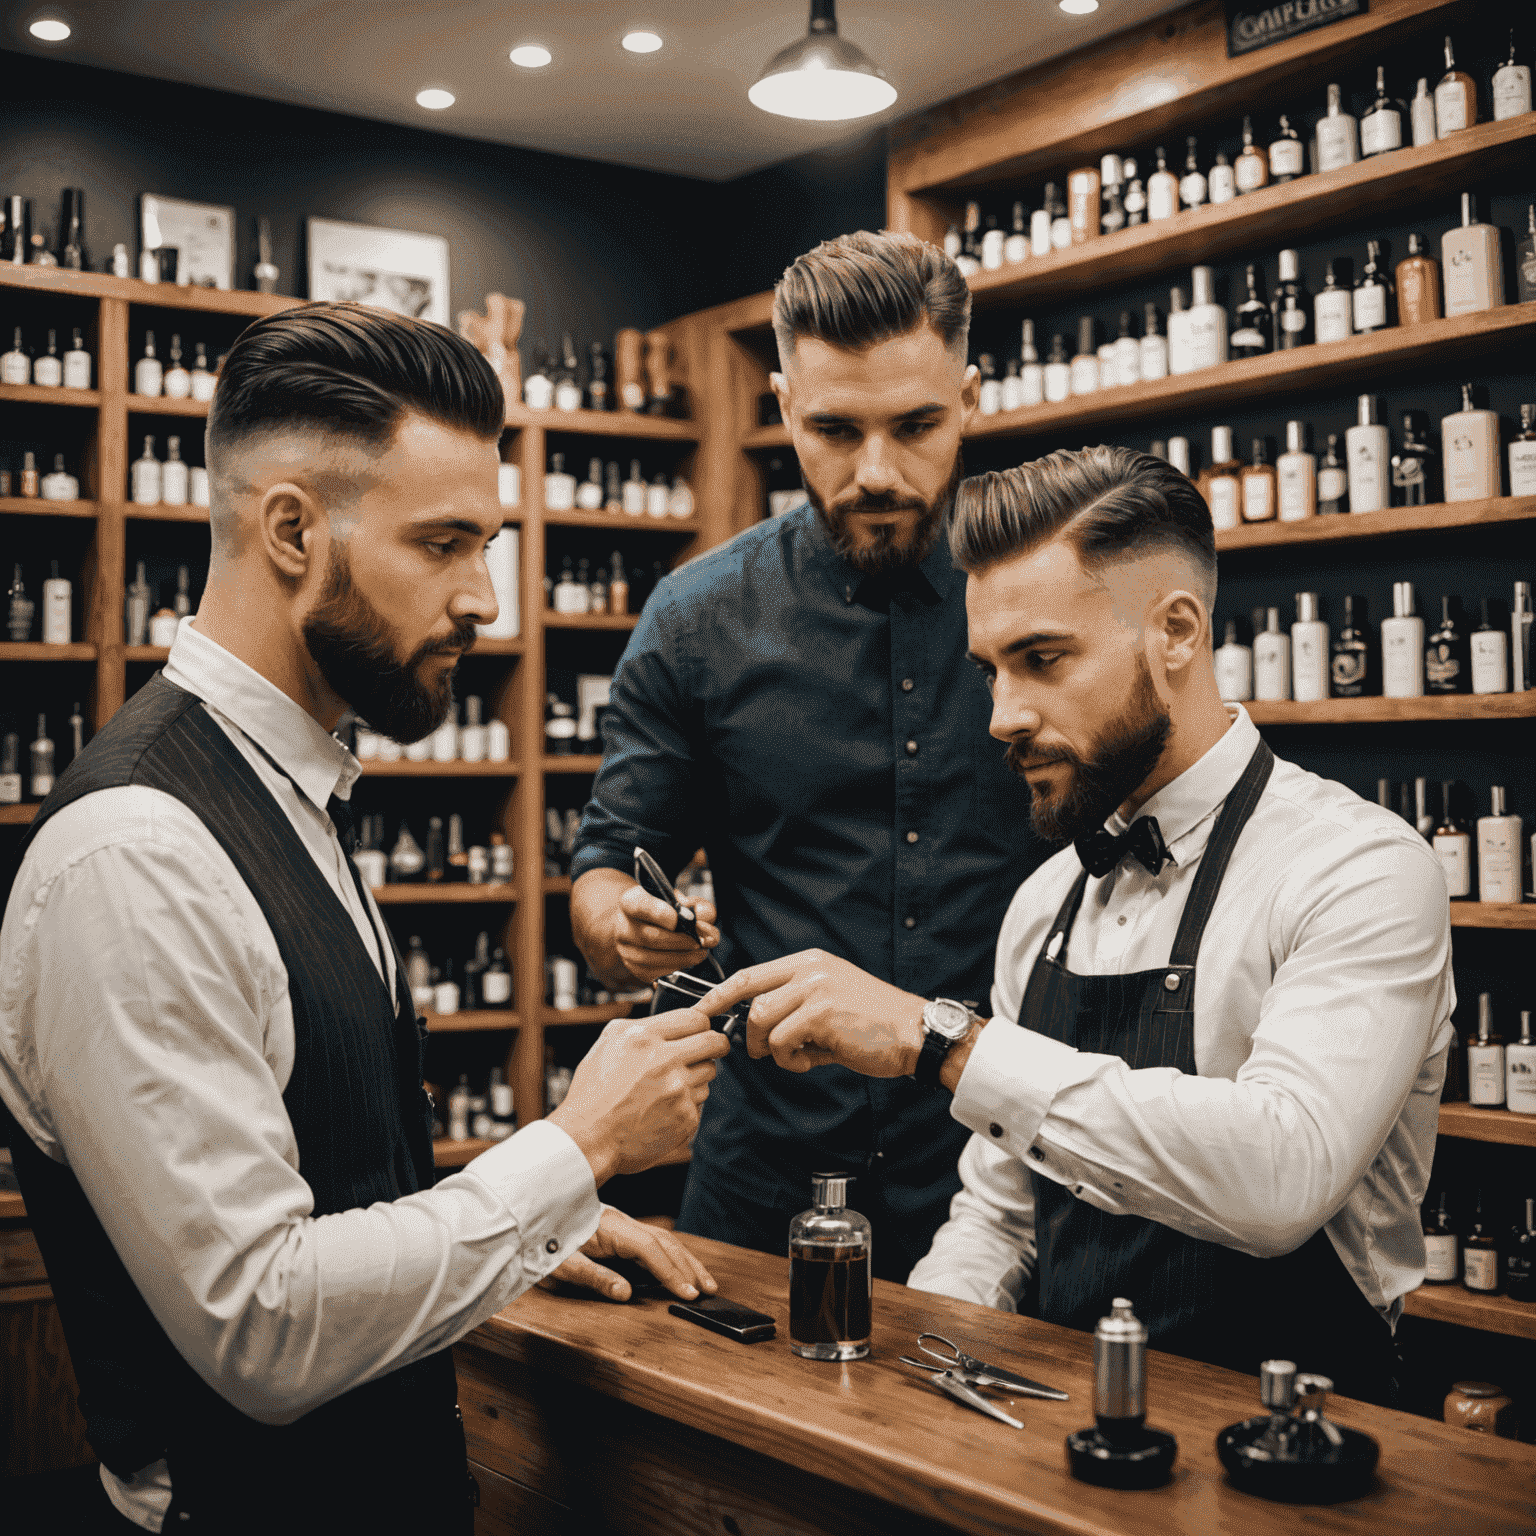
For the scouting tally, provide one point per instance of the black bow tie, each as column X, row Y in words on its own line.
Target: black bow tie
column 1143, row 839
column 341, row 814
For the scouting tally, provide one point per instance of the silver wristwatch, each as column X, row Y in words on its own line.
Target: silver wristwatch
column 945, row 1024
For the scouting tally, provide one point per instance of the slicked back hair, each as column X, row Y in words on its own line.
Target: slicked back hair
column 861, row 289
column 1108, row 503
column 354, row 371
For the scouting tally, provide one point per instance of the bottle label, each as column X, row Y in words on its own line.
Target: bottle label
column 1285, row 157
column 496, row 987
column 1332, row 313
column 1085, row 375
column 1335, row 143
column 1207, row 338
column 501, row 1099
column 1381, row 131
column 1454, row 851
column 1223, row 185
column 1485, row 1073
column 1332, row 484
column 1402, row 675
column 1490, row 674
column 1293, row 319
column 1482, row 1269
column 10, row 788
column 1440, row 1258
column 1162, row 197
column 1520, row 1081
column 77, row 370
column 1522, row 469
column 1258, row 499
column 1154, row 365
column 1348, row 672
column 1370, row 308
column 1033, row 379
column 1250, row 172
column 1451, row 113
column 1222, row 494
column 1511, row 92
column 1247, row 339
column 1442, row 668
column 1498, row 862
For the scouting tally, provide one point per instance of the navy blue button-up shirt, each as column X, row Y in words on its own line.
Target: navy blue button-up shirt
column 822, row 736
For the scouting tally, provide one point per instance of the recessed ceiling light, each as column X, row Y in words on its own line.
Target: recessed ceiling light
column 531, row 56
column 642, row 42
column 1079, row 7
column 49, row 30
column 434, row 100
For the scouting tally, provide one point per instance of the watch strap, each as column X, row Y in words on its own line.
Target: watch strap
column 930, row 1059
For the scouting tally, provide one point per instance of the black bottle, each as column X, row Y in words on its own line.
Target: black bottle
column 1251, row 334
column 1520, row 1257
column 1447, row 661
column 1352, row 653
column 1293, row 324
column 1480, row 1252
column 1416, row 465
column 1332, row 479
column 1372, row 298
column 599, row 392
column 1442, row 1245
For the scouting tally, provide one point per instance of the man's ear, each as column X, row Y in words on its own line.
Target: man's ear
column 288, row 523
column 1185, row 627
column 970, row 389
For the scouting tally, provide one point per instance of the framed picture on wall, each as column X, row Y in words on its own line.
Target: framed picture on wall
column 203, row 233
column 391, row 269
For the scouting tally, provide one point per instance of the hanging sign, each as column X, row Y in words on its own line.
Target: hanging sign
column 1250, row 26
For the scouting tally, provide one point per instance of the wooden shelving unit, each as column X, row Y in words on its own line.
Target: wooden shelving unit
column 1469, row 1309
column 1388, row 523
column 470, row 1020
column 35, row 506
column 160, row 405
column 456, row 770
column 445, row 895
column 1493, row 914
column 1375, row 711
column 1471, row 1122
column 612, row 424
column 623, row 523
column 590, row 620
column 455, row 1154
column 35, row 650
column 583, row 763
column 19, row 815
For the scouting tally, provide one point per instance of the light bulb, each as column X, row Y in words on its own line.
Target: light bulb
column 642, row 42
column 434, row 100
column 1079, row 7
column 49, row 30
column 531, row 56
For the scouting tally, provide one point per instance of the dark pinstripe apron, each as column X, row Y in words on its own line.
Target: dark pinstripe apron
column 1197, row 1298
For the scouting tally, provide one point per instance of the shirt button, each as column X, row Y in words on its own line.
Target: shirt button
column 907, row 685
column 911, row 837
column 1037, row 1154
column 911, row 749
column 552, row 1246
column 1121, row 921
column 909, row 922
column 995, row 1128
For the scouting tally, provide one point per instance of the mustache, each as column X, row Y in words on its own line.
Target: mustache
column 463, row 637
column 890, row 503
column 1021, row 752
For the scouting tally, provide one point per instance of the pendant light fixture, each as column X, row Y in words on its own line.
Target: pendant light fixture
column 822, row 78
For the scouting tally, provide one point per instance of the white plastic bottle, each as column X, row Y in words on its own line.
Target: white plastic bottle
column 1271, row 660
column 1180, row 356
column 146, row 476
column 1500, row 857
column 1469, row 448
column 1153, row 350
column 1309, row 651
column 148, row 378
column 1368, row 453
column 1402, row 647
column 1234, row 667
column 174, row 483
column 1485, row 1059
column 1207, row 322
column 1031, row 372
column 1520, row 1070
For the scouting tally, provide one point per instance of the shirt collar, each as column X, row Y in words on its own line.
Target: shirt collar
column 289, row 734
column 929, row 579
column 1185, row 808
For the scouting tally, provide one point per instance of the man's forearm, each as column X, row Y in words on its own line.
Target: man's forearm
column 594, row 898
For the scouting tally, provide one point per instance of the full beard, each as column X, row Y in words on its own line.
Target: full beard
column 887, row 548
column 1123, row 757
column 355, row 648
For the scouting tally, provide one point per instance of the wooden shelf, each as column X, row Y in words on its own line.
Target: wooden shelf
column 1332, row 366
column 1454, row 706
column 1470, row 1309
column 590, row 620
column 598, row 1013
column 1378, row 525
column 557, row 885
column 455, row 770
column 1471, row 1122
column 1262, row 221
column 1493, row 914
column 776, row 436
column 35, row 650
column 454, row 1154
column 586, row 763
column 470, row 1020
column 620, row 424
column 12, row 1206
column 41, row 394
column 426, row 895
column 19, row 815
column 623, row 522
column 146, row 652
column 35, row 506
column 99, row 285
column 161, row 405
column 488, row 647
column 163, row 512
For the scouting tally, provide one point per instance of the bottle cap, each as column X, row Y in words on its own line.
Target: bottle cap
column 1495, row 796
column 1369, row 408
column 1027, row 330
column 1527, row 413
column 1277, row 1385
column 1152, row 331
column 1261, row 450
column 1306, row 607
column 1466, row 398
column 1290, row 266
column 1525, row 1039
column 1415, row 245
column 1110, row 170
column 1085, row 341
column 1272, row 621
column 1468, row 207
column 1231, row 633
column 1221, row 445
column 1522, row 602
column 1175, row 301
column 1295, row 437
column 829, row 1191
column 1485, row 1006
column 1402, row 600
column 1333, row 101
column 1178, row 454
column 1203, row 282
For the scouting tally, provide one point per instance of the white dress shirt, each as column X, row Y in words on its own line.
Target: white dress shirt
column 152, row 1060
column 1323, row 999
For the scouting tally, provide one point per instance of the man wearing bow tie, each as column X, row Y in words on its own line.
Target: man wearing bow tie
column 1220, row 1014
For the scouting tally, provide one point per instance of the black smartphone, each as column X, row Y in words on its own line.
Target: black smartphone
column 728, row 1317
column 642, row 1283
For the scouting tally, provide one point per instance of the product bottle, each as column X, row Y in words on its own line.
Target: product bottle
column 1368, row 451
column 1178, row 455
column 1455, row 98
column 1193, row 186
column 1112, row 179
column 1453, row 847
column 1252, row 169
column 1083, row 204
column 1525, row 260
column 634, row 491
column 1061, row 223
column 77, row 366
column 418, row 974
column 1500, row 860
column 1058, row 372
column 952, row 242
column 992, row 242
column 657, row 496
column 539, row 387
column 567, row 381
column 1180, row 346
column 1480, row 1250
column 559, row 487
column 1259, row 499
column 406, row 862
column 990, row 401
column 1446, row 665
column 1207, row 322
column 136, row 618
column 1016, row 246
column 1162, row 191
column 680, row 498
column 29, row 486
column 1031, row 372
column 969, row 259
column 15, row 365
column 589, row 494
column 1372, row 309
column 197, row 481
column 1520, row 1082
column 496, row 982
column 618, row 585
column 48, row 369
column 1012, row 387
column 1251, row 332
column 1109, row 372
column 444, row 745
column 173, row 475
column 1296, row 476
column 1234, row 666
column 203, row 381
column 1490, row 663
column 1351, row 653
column 177, row 383
column 1152, row 353
column 1220, row 483
column 162, row 624
column 1520, row 1249
column 1416, row 466
column 1381, row 128
column 571, row 596
column 1469, row 443
column 1039, row 230
column 60, row 485
column 42, row 761
column 146, row 476
column 1271, row 660
column 1511, row 86
column 445, row 993
column 1338, row 136
column 1441, row 1246
column 1333, row 309
column 1402, row 647
column 1423, row 822
column 1309, row 651
column 1223, row 181
column 22, row 608
column 1332, row 479
column 459, row 1096
column 1418, row 285
column 1485, row 1058
column 1474, row 272
column 1295, row 325
column 1287, row 159
column 1522, row 455
column 830, row 1280
column 57, row 609
column 1422, row 112
column 1085, row 364
column 498, row 741
column 147, row 377
column 1127, row 353
column 10, row 769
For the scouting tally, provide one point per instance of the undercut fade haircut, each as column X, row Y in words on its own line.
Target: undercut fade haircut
column 861, row 289
column 352, row 370
column 1108, row 503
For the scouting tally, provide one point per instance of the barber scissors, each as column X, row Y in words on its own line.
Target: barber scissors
column 649, row 876
column 960, row 1388
column 978, row 1372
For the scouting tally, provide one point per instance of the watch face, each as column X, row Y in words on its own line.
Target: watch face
column 947, row 1018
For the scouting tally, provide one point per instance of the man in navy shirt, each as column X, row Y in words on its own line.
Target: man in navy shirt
column 798, row 702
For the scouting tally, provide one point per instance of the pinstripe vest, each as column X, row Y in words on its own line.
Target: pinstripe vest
column 359, row 1114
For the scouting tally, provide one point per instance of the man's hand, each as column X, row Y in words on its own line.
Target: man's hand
column 814, row 1010
column 635, row 1097
column 645, row 935
column 622, row 1237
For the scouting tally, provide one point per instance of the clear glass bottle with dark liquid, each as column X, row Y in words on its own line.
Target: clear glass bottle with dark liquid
column 829, row 1275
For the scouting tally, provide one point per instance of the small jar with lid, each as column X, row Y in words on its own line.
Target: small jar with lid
column 1481, row 1406
column 830, row 1280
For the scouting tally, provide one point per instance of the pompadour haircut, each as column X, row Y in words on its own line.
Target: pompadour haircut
column 861, row 289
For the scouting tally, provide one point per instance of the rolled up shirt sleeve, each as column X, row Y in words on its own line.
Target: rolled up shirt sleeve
column 151, row 1069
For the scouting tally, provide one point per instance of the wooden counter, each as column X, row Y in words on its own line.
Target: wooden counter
column 584, row 1415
